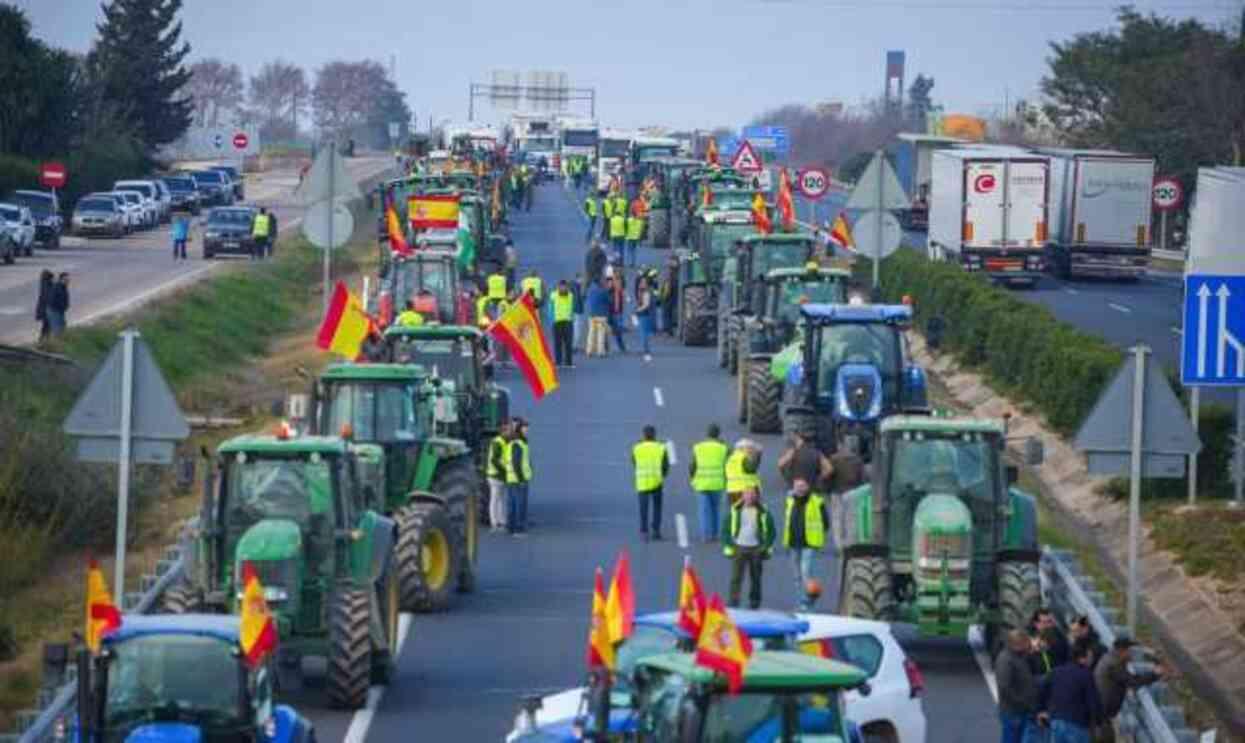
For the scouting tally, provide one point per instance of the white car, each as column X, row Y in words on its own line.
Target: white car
column 132, row 202
column 891, row 713
column 151, row 198
column 148, row 216
column 20, row 225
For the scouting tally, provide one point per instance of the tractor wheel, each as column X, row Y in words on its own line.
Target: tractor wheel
column 764, row 396
column 1020, row 594
column 350, row 649
column 732, row 343
column 724, row 355
column 459, row 485
column 385, row 646
column 866, row 589
column 697, row 326
column 741, row 392
column 800, row 421
column 426, row 557
column 180, row 598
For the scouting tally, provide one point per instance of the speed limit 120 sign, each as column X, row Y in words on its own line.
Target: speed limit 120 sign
column 1167, row 194
column 814, row 183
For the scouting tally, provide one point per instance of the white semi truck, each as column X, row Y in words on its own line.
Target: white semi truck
column 578, row 138
column 989, row 211
column 613, row 147
column 1100, row 213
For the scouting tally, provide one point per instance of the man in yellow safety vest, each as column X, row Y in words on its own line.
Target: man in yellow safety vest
column 749, row 541
column 592, row 207
column 518, row 475
column 618, row 234
column 805, row 524
column 498, row 449
column 742, row 467
column 261, row 229
column 563, row 302
column 651, row 468
column 534, row 286
column 708, row 473
column 634, row 231
column 409, row 318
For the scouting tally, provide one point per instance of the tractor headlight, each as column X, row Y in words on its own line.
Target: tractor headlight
column 525, row 722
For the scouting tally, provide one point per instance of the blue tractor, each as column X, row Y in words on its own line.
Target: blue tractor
column 847, row 370
column 179, row 679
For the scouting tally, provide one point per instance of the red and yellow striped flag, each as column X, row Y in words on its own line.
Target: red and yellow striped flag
column 102, row 615
column 760, row 215
column 519, row 330
column 722, row 646
column 436, row 211
column 258, row 634
column 841, row 233
column 397, row 238
column 692, row 602
column 786, row 201
column 600, row 649
column 345, row 325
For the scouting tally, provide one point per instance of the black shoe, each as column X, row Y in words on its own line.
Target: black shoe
column 644, row 536
column 657, row 537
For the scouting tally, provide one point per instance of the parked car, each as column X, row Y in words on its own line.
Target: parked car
column 8, row 248
column 45, row 207
column 235, row 177
column 183, row 195
column 100, row 214
column 151, row 197
column 20, row 226
column 213, row 186
column 124, row 208
column 227, row 229
column 144, row 207
column 165, row 198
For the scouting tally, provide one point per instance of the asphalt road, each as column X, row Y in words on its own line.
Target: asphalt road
column 462, row 673
column 110, row 276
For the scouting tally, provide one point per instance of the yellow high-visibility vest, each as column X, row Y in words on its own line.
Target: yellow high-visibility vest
column 534, row 285
column 410, row 319
column 710, row 456
column 618, row 227
column 563, row 306
column 524, row 474
column 497, row 442
column 648, row 458
column 737, row 481
column 814, row 530
column 497, row 286
column 262, row 226
column 590, row 207
column 635, row 228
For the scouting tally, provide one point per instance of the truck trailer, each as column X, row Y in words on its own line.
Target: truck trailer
column 1100, row 212
column 988, row 211
column 912, row 154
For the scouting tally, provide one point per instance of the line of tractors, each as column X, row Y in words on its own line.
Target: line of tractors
column 938, row 535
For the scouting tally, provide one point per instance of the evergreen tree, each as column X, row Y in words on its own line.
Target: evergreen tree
column 138, row 58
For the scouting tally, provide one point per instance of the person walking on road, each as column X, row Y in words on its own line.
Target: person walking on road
column 518, row 477
column 669, row 294
column 180, row 233
column 1068, row 702
column 1018, row 690
column 651, row 467
column 805, row 526
column 577, row 324
column 598, row 306
column 645, row 314
column 618, row 233
column 58, row 304
column 261, row 228
column 529, row 193
column 618, row 300
column 595, row 262
column 803, row 461
column 749, row 541
column 633, row 230
column 741, row 469
column 592, row 208
column 498, row 449
column 46, row 282
column 1113, row 680
column 563, row 324
column 708, row 474
column 512, row 263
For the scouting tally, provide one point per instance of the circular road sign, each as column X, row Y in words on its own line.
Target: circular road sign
column 869, row 242
column 316, row 225
column 53, row 175
column 813, row 182
column 240, row 141
column 1167, row 194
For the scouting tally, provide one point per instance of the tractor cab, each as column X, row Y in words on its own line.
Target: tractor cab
column 714, row 234
column 783, row 291
column 428, row 277
column 179, row 678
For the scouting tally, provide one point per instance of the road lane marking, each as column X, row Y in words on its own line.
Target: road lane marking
column 362, row 719
column 12, row 311
column 982, row 656
column 143, row 297
column 657, row 398
column 1177, row 331
column 1119, row 308
column 1070, row 290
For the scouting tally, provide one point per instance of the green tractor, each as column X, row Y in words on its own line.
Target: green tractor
column 769, row 325
column 700, row 271
column 429, row 277
column 940, row 537
column 666, row 171
column 431, row 483
column 688, row 197
column 306, row 513
column 753, row 257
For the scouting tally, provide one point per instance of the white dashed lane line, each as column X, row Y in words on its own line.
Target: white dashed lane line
column 657, row 398
column 1119, row 308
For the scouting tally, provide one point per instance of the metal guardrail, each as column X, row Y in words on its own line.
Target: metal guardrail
column 1168, row 255
column 1148, row 715
column 43, row 728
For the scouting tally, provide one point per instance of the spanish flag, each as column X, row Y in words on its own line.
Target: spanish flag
column 345, row 325
column 786, row 201
column 439, row 211
column 691, row 600
column 706, row 194
column 519, row 330
column 841, row 233
column 600, row 649
column 711, row 152
column 620, row 606
column 397, row 238
column 102, row 615
column 722, row 647
column 760, row 215
column 258, row 634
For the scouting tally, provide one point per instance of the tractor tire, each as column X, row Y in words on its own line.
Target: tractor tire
column 1020, row 594
column 866, row 590
column 741, row 393
column 764, row 396
column 350, row 649
column 385, row 648
column 799, row 421
column 179, row 598
column 734, row 330
column 697, row 327
column 426, row 557
column 723, row 354
column 460, row 486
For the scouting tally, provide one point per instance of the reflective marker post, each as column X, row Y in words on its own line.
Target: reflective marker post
column 1134, row 483
column 1195, row 400
column 123, row 461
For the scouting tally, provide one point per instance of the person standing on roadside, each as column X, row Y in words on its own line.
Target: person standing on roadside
column 598, row 306
column 618, row 299
column 1053, row 645
column 708, row 474
column 592, row 209
column 498, row 449
column 512, row 263
column 595, row 262
column 1068, row 702
column 651, row 467
column 645, row 313
column 58, row 304
column 518, row 477
column 563, row 303
column 180, row 233
column 577, row 325
column 805, row 526
column 1113, row 680
column 1018, row 690
column 669, row 295
column 742, row 467
column 749, row 541
column 261, row 228
column 46, row 281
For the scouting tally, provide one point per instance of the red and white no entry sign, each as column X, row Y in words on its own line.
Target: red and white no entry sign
column 240, row 140
column 1167, row 194
column 53, row 175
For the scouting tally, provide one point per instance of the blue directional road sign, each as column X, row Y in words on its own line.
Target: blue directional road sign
column 1214, row 331
column 769, row 138
column 727, row 147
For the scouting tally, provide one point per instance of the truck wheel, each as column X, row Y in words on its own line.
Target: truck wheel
column 1020, row 594
column 459, row 485
column 180, row 598
column 741, row 393
column 350, row 649
column 426, row 558
column 385, row 642
column 697, row 325
column 764, row 397
column 866, row 591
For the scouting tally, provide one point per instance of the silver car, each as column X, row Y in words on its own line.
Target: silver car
column 20, row 226
column 101, row 214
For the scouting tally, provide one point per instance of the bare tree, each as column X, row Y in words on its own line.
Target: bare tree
column 345, row 95
column 215, row 87
column 279, row 95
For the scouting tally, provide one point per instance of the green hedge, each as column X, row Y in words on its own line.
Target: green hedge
column 1029, row 355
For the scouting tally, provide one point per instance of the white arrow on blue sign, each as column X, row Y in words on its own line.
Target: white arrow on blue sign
column 1214, row 331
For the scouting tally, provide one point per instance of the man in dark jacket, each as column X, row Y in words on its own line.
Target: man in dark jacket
column 1068, row 700
column 41, row 304
column 58, row 304
column 1054, row 650
column 1018, row 689
column 594, row 262
column 1113, row 679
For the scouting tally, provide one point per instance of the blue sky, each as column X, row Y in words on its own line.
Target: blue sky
column 679, row 63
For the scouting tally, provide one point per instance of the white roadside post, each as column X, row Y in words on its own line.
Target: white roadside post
column 123, row 459
column 1134, row 482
